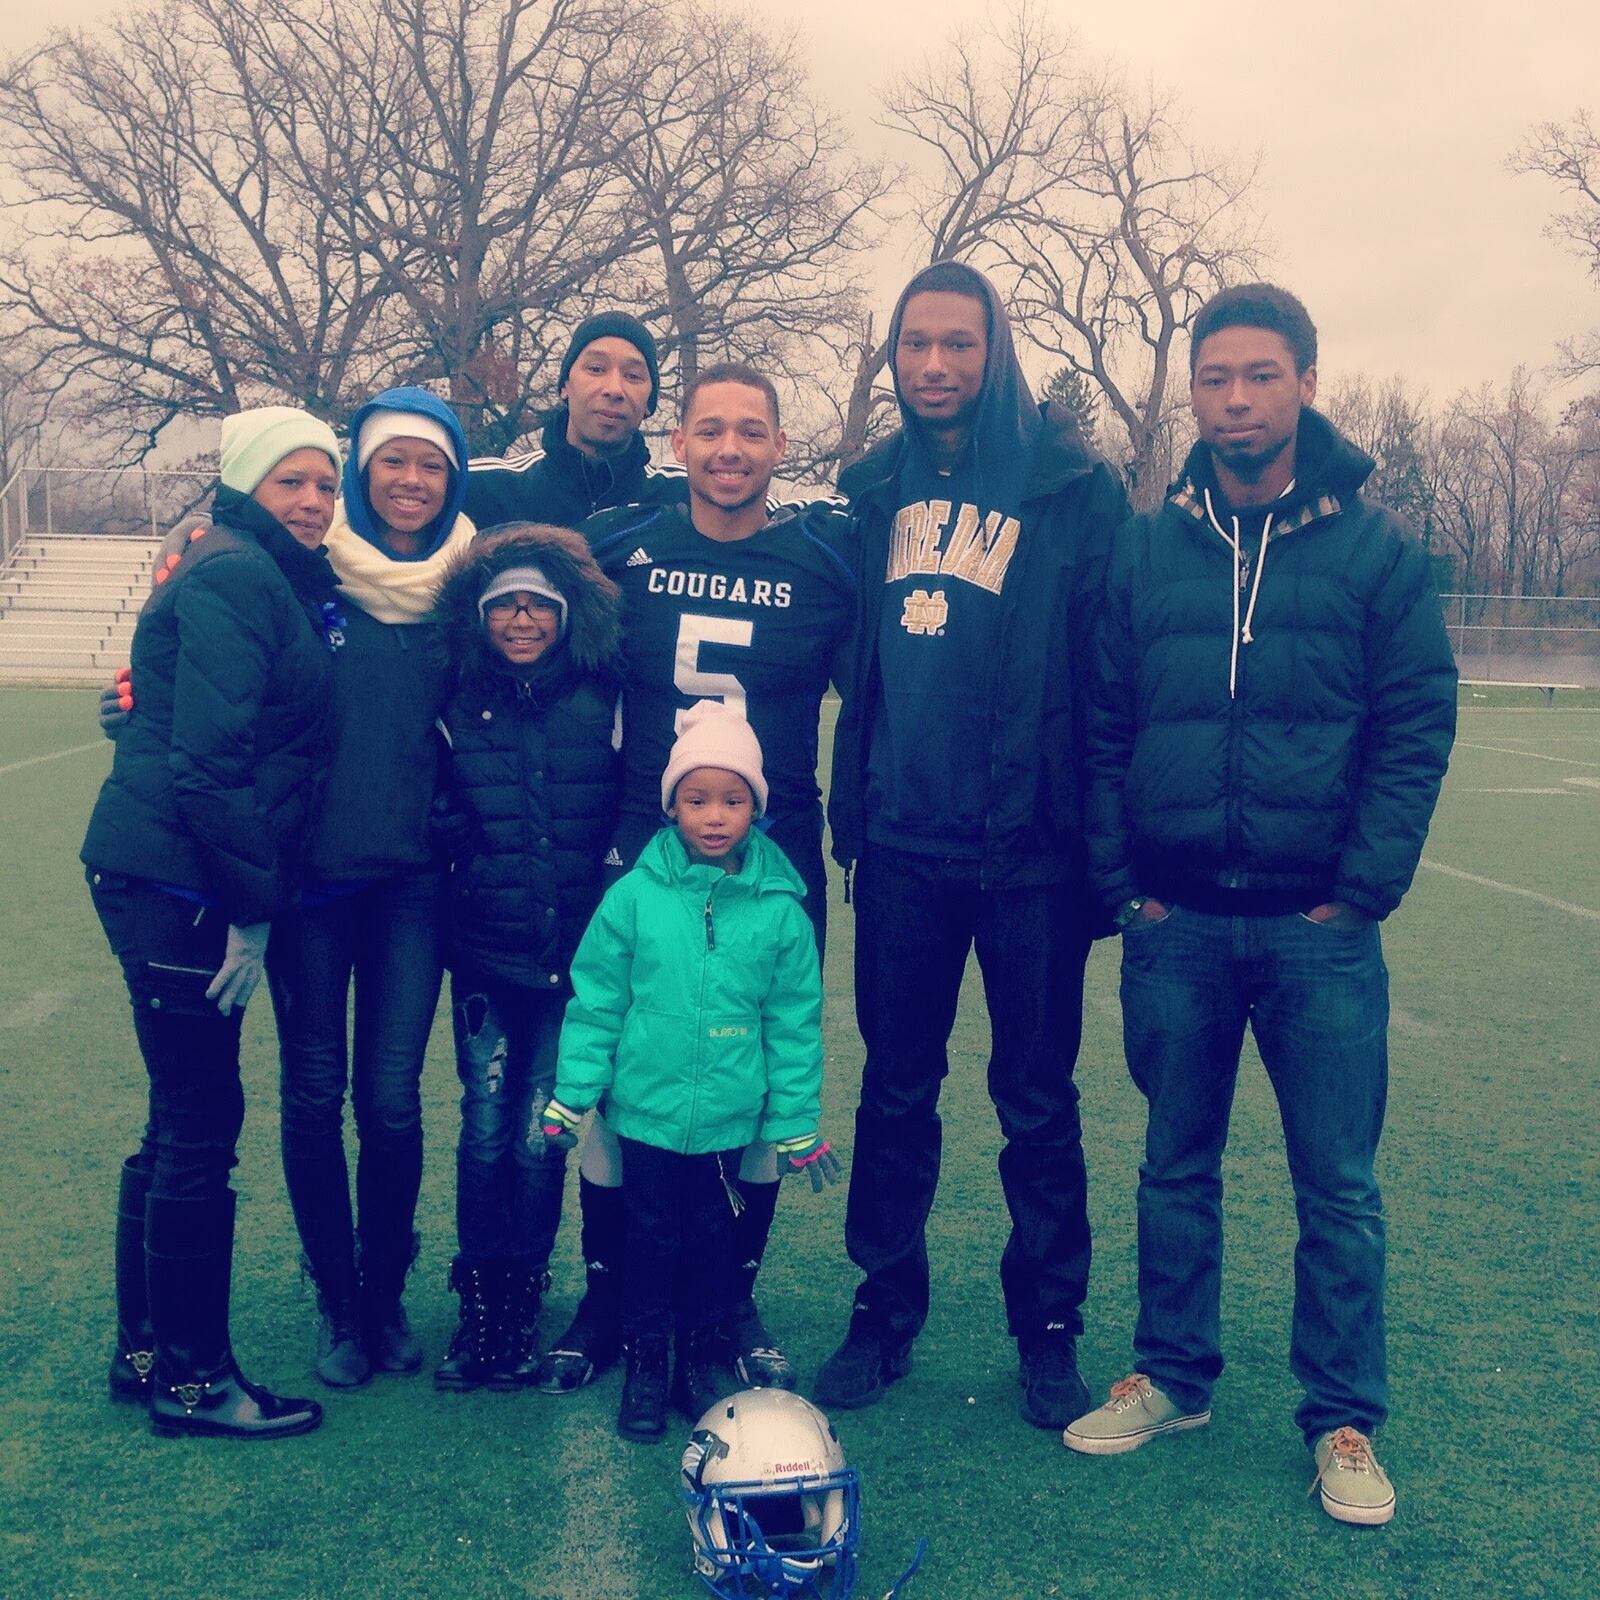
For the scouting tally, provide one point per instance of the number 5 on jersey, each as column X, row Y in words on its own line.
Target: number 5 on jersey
column 694, row 631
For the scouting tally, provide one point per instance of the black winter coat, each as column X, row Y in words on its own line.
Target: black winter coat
column 389, row 685
column 529, row 803
column 559, row 484
column 1072, row 503
column 214, row 780
column 1315, row 779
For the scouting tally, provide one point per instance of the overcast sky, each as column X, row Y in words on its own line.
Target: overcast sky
column 1382, row 127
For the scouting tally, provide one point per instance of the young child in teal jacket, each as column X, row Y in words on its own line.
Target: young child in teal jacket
column 696, row 1018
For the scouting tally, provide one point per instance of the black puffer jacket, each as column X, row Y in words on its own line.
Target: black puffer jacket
column 1314, row 779
column 1072, row 502
column 530, row 801
column 214, row 779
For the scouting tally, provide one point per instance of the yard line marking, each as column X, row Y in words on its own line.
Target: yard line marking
column 1583, row 783
column 1594, row 781
column 1511, row 888
column 56, row 755
column 1531, row 755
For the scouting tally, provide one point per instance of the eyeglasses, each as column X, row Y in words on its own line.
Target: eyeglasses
column 505, row 607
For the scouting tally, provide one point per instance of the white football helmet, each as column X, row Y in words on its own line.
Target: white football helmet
column 773, row 1508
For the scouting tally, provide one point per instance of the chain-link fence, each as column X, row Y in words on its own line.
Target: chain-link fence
column 95, row 500
column 1502, row 638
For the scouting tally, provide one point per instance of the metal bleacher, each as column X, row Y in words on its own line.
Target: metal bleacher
column 68, row 605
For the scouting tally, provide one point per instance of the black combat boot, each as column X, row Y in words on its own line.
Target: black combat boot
column 643, row 1412
column 521, row 1294
column 472, row 1346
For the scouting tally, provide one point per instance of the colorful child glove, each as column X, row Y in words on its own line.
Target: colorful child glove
column 243, row 962
column 812, row 1155
column 560, row 1126
column 116, row 703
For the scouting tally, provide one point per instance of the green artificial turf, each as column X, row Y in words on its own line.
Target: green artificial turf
column 1490, row 1176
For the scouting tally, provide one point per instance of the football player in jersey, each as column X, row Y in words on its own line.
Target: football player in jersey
column 982, row 527
column 721, row 600
column 592, row 455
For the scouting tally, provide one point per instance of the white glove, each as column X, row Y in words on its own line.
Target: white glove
column 243, row 962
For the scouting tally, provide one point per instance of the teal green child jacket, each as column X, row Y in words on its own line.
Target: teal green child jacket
column 696, row 1010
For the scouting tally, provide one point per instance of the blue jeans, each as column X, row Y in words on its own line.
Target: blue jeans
column 1317, row 997
column 508, row 1186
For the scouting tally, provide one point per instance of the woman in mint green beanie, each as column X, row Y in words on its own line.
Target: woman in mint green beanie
column 191, row 852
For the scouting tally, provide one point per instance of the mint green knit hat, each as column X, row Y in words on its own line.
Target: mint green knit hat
column 255, row 441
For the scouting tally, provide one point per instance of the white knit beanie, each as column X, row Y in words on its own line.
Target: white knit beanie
column 715, row 735
column 383, row 425
column 527, row 579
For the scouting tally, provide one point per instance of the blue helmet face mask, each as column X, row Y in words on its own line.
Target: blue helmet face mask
column 774, row 1511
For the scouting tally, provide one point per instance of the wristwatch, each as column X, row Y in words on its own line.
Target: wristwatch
column 1127, row 911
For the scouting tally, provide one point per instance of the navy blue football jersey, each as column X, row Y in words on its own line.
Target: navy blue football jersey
column 757, row 622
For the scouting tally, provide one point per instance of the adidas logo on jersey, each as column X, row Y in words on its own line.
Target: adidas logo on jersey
column 639, row 558
column 613, row 857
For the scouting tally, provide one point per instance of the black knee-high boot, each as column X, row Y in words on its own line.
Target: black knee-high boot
column 198, row 1388
column 758, row 1361
column 593, row 1340
column 129, row 1378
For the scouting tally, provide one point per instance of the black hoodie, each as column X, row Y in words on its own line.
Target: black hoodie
column 530, row 802
column 1003, row 781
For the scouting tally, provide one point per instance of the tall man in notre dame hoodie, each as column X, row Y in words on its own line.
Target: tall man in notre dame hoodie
column 981, row 538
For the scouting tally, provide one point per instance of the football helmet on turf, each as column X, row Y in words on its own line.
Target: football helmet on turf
column 773, row 1508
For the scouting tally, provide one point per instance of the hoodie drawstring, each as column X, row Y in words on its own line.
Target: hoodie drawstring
column 1241, row 635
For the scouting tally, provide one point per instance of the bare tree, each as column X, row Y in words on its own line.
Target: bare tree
column 164, row 258
column 1112, row 262
column 1568, row 153
column 1102, row 226
column 1390, row 423
column 491, row 213
column 752, row 205
column 982, row 125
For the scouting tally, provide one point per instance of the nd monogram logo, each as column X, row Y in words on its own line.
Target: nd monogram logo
column 925, row 613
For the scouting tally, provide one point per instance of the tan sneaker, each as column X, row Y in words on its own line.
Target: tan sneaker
column 1136, row 1411
column 1354, row 1487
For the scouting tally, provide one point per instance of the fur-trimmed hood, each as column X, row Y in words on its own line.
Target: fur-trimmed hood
column 593, row 641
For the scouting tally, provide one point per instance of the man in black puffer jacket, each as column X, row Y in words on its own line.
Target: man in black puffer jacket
column 533, row 635
column 1273, row 706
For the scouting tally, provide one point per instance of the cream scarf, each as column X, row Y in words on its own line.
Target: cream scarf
column 386, row 589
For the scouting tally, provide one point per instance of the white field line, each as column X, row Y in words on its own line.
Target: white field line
column 1530, row 755
column 55, row 755
column 1511, row 888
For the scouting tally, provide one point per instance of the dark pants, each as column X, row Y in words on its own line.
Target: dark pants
column 387, row 937
column 798, row 836
column 679, row 1238
column 916, row 919
column 1317, row 997
column 170, row 949
column 508, row 1186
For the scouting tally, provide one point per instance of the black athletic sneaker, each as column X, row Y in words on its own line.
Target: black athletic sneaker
column 703, row 1374
column 578, row 1356
column 860, row 1369
column 758, row 1361
column 643, row 1411
column 1053, row 1394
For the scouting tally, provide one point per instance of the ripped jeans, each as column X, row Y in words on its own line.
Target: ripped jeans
column 508, row 1187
